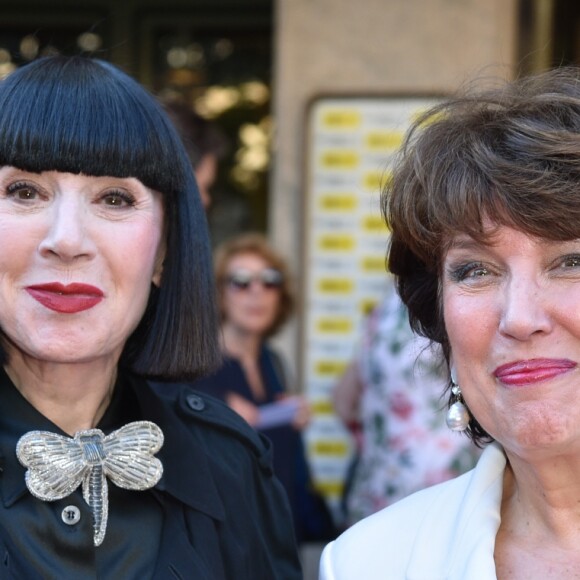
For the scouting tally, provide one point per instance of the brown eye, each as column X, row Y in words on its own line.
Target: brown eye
column 22, row 192
column 118, row 199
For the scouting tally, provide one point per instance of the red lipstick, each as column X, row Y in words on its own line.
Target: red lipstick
column 66, row 299
column 528, row 372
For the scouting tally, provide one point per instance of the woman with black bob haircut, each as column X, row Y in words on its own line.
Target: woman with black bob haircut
column 105, row 287
column 484, row 210
column 79, row 115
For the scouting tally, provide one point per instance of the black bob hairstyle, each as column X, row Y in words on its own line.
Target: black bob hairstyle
column 82, row 115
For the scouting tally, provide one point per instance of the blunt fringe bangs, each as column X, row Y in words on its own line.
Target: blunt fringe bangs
column 81, row 115
column 85, row 116
column 506, row 156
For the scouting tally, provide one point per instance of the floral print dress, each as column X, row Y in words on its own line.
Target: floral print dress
column 405, row 444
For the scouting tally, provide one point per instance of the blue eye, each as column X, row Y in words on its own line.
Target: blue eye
column 572, row 261
column 471, row 270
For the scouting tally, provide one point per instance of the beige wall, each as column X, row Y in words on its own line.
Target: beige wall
column 374, row 46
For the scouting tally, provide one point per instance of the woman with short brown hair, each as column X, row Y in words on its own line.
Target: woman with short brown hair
column 484, row 209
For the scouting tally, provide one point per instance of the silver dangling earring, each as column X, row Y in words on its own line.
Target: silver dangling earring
column 457, row 417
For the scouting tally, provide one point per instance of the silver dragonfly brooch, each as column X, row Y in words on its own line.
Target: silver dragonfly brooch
column 57, row 465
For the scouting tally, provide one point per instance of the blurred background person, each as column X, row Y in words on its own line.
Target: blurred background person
column 390, row 400
column 204, row 142
column 255, row 300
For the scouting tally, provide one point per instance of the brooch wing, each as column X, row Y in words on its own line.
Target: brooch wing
column 56, row 465
column 131, row 464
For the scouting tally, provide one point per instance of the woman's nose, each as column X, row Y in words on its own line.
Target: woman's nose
column 66, row 235
column 524, row 310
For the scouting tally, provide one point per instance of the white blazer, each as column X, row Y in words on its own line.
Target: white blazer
column 444, row 532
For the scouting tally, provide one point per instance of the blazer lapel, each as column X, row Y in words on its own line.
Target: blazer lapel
column 458, row 533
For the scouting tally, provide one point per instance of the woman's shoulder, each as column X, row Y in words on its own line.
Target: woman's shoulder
column 381, row 545
column 425, row 530
column 216, row 465
column 211, row 423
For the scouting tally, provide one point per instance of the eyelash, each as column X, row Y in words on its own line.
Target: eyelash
column 571, row 258
column 463, row 271
column 468, row 270
column 13, row 189
column 125, row 197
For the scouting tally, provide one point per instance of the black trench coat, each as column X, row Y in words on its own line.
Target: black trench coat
column 226, row 516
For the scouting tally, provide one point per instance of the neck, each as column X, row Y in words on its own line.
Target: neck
column 544, row 496
column 240, row 344
column 72, row 396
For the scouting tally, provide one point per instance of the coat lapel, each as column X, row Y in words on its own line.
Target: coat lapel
column 458, row 535
column 187, row 474
column 181, row 557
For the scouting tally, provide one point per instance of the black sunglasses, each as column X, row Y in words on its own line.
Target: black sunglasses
column 269, row 278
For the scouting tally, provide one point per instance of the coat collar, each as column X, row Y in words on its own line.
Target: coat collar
column 459, row 535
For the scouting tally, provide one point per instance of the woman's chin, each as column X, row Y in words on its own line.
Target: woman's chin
column 63, row 352
column 541, row 432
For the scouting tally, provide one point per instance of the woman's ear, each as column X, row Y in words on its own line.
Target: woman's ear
column 158, row 267
column 157, row 276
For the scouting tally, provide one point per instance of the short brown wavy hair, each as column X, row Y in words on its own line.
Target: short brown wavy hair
column 257, row 244
column 510, row 154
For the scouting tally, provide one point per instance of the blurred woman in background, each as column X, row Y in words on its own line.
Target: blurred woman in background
column 255, row 300
column 390, row 399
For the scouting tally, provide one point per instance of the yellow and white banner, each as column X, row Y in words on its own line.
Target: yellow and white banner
column 350, row 149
